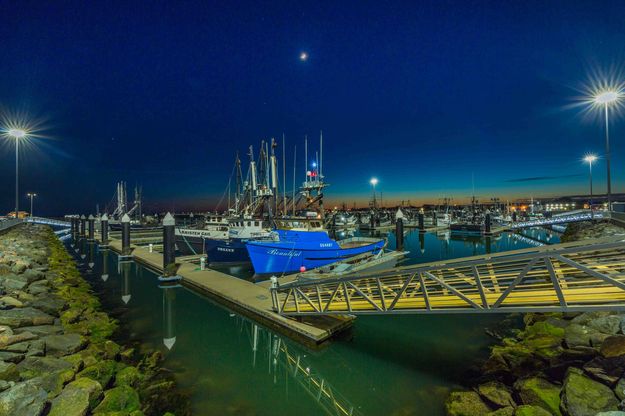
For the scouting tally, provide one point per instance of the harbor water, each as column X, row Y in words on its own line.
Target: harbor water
column 386, row 365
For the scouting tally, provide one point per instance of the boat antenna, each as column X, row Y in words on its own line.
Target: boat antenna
column 321, row 153
column 306, row 158
column 294, row 167
column 283, row 176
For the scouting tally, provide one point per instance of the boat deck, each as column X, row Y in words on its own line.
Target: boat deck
column 247, row 298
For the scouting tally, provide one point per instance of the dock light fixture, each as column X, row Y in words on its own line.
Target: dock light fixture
column 606, row 98
column 374, row 182
column 590, row 159
column 17, row 134
column 31, row 195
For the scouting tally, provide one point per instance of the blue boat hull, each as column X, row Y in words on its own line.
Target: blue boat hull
column 282, row 258
column 230, row 251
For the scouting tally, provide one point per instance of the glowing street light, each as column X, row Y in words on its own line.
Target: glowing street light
column 605, row 98
column 17, row 134
column 590, row 159
column 31, row 196
column 374, row 182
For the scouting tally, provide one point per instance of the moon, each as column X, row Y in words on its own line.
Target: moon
column 303, row 56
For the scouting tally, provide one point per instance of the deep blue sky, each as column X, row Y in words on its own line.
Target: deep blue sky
column 419, row 94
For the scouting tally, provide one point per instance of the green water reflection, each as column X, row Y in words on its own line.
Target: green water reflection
column 390, row 365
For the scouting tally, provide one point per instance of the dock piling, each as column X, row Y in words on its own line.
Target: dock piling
column 399, row 235
column 169, row 254
column 91, row 220
column 487, row 223
column 421, row 222
column 126, row 235
column 83, row 221
column 104, row 231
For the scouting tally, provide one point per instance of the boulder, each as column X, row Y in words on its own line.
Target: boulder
column 50, row 304
column 576, row 335
column 495, row 393
column 12, row 282
column 465, row 403
column 25, row 317
column 539, row 392
column 607, row 370
column 33, row 367
column 121, row 399
column 610, row 324
column 23, row 399
column 102, row 372
column 619, row 389
column 613, row 346
column 9, row 371
column 77, row 398
column 128, row 376
column 29, row 348
column 11, row 301
column 6, row 340
column 41, row 330
column 529, row 410
column 53, row 382
column 11, row 357
column 64, row 344
column 583, row 396
column 111, row 350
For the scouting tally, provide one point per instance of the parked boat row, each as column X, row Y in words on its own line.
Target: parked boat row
column 278, row 234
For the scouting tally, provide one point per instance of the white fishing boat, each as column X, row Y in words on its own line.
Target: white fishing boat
column 363, row 263
column 190, row 240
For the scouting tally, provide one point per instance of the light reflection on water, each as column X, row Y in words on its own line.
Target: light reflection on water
column 391, row 365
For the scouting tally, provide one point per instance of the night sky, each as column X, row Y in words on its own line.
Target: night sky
column 422, row 95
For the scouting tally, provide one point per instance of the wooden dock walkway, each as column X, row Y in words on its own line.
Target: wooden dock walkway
column 247, row 298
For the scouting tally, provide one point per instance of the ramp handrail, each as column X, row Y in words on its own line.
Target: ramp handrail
column 556, row 278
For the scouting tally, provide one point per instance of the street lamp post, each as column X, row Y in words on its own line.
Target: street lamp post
column 605, row 99
column 31, row 196
column 17, row 134
column 590, row 159
column 374, row 182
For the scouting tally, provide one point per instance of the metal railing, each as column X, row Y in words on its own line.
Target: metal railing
column 48, row 221
column 566, row 277
column 562, row 219
column 9, row 223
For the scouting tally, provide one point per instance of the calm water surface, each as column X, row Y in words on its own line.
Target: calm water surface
column 389, row 365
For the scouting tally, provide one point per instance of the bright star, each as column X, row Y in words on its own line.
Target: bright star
column 303, row 56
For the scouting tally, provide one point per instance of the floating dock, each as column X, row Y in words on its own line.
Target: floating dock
column 246, row 298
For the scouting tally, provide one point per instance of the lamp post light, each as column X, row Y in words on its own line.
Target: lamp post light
column 31, row 195
column 17, row 134
column 590, row 159
column 606, row 98
column 374, row 182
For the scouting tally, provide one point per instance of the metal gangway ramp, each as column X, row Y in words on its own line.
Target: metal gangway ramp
column 576, row 216
column 580, row 276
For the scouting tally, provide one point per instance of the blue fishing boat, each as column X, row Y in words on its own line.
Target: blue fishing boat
column 292, row 250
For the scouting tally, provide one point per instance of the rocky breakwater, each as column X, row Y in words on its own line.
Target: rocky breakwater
column 56, row 355
column 558, row 364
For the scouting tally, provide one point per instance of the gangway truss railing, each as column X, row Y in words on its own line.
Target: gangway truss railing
column 577, row 276
column 561, row 219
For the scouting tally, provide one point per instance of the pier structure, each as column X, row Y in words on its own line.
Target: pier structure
column 580, row 276
column 244, row 297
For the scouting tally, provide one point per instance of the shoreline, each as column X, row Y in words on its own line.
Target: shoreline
column 57, row 351
column 562, row 364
